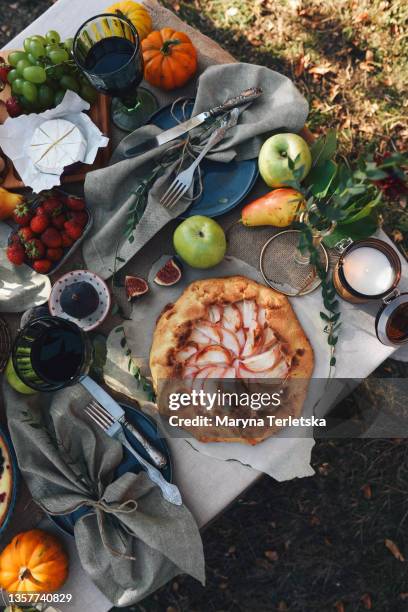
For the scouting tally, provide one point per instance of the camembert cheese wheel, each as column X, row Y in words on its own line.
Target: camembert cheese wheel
column 55, row 144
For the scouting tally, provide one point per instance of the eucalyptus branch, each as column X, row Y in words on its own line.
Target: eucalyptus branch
column 133, row 368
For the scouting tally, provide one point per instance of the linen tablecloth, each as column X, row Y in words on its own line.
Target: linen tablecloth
column 209, row 485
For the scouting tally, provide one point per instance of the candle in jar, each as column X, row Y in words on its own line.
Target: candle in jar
column 368, row 271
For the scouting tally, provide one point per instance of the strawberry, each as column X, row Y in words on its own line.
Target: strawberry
column 40, row 210
column 51, row 238
column 39, row 223
column 25, row 233
column 15, row 254
column 74, row 203
column 14, row 107
column 73, row 229
column 22, row 214
column 80, row 217
column 66, row 240
column 34, row 249
column 52, row 206
column 58, row 221
column 42, row 266
column 54, row 254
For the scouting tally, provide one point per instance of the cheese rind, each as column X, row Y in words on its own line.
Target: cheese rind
column 55, row 144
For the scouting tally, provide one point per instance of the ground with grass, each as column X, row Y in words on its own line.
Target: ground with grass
column 337, row 541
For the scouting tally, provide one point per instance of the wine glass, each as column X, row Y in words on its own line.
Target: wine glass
column 107, row 50
column 51, row 353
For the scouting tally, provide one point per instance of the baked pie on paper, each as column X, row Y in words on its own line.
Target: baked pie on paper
column 231, row 329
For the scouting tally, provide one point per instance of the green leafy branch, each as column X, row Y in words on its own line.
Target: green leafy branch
column 142, row 382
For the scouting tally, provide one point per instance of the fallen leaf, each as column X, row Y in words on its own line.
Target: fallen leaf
column 368, row 67
column 339, row 606
column 393, row 548
column 397, row 236
column 314, row 520
column 362, row 17
column 366, row 489
column 321, row 70
column 369, row 56
column 366, row 601
column 301, row 64
column 271, row 555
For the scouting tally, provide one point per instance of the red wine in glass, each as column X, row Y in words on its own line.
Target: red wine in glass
column 107, row 49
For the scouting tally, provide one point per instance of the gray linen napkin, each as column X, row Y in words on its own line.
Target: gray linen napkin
column 132, row 541
column 109, row 191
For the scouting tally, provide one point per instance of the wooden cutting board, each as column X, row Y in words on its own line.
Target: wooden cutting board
column 100, row 115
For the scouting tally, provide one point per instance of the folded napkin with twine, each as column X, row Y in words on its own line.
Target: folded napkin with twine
column 132, row 541
column 111, row 191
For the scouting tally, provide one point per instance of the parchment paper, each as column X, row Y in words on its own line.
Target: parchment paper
column 280, row 457
column 16, row 134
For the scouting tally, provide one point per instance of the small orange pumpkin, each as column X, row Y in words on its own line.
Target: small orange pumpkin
column 34, row 561
column 170, row 58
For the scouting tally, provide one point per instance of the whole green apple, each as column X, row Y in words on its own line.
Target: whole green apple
column 273, row 158
column 200, row 242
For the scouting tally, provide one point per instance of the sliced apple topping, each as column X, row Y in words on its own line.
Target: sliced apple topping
column 235, row 341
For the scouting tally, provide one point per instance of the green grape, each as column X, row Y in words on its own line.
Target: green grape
column 58, row 56
column 35, row 74
column 22, row 65
column 27, row 44
column 59, row 96
column 33, row 60
column 15, row 57
column 30, row 92
column 68, row 44
column 45, row 96
column 53, row 37
column 12, row 75
column 17, row 86
column 88, row 93
column 40, row 38
column 69, row 82
column 37, row 48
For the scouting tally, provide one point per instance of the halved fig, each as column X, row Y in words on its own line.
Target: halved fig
column 169, row 274
column 135, row 287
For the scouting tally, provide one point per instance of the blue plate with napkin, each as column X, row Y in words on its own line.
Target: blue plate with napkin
column 225, row 185
column 129, row 463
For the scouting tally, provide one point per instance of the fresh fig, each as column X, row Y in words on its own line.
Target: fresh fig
column 135, row 287
column 169, row 274
column 79, row 300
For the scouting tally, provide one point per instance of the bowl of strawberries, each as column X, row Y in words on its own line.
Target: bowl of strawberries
column 47, row 230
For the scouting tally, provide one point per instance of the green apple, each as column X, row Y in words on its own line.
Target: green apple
column 273, row 158
column 200, row 242
column 16, row 382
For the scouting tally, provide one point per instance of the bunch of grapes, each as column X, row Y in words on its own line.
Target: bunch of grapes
column 41, row 74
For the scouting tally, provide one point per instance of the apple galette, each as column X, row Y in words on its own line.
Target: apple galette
column 232, row 328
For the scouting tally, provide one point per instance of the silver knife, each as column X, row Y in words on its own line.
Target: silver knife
column 118, row 414
column 245, row 97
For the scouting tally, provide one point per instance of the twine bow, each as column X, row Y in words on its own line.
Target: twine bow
column 102, row 508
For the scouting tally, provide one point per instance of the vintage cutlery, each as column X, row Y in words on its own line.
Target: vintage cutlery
column 114, row 429
column 245, row 97
column 118, row 414
column 183, row 181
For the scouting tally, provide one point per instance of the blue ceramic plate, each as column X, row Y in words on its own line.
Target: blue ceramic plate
column 129, row 463
column 15, row 477
column 224, row 185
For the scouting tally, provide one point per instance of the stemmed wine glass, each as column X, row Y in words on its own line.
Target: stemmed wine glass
column 107, row 50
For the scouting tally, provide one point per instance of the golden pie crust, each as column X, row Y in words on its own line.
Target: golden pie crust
column 232, row 328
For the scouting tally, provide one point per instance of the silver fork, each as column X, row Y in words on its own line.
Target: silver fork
column 114, row 429
column 183, row 181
